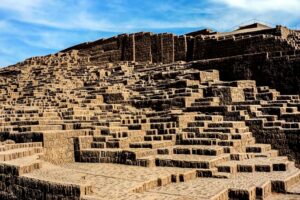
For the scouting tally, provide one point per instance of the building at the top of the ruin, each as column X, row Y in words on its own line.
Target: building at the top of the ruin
column 201, row 32
column 244, row 29
column 254, row 25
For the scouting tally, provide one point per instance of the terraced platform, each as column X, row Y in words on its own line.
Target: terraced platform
column 76, row 129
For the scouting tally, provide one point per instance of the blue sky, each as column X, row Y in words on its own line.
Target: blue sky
column 39, row 27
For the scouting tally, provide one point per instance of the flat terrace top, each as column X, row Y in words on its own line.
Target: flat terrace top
column 246, row 30
column 123, row 179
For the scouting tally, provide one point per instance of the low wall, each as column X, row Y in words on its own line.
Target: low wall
column 59, row 146
column 15, row 187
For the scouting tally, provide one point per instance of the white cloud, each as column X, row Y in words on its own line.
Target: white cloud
column 20, row 6
column 63, row 14
column 76, row 15
column 288, row 6
column 49, row 24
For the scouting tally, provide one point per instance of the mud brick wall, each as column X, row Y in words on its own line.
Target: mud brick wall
column 156, row 48
column 180, row 45
column 168, row 48
column 197, row 47
column 81, row 143
column 59, row 146
column 108, row 50
column 190, row 48
column 227, row 95
column 15, row 187
column 285, row 141
column 260, row 67
column 21, row 137
column 293, row 144
column 128, row 51
column 282, row 31
column 143, row 47
column 217, row 48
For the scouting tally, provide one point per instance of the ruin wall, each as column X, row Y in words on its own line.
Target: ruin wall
column 260, row 67
column 167, row 48
column 15, row 186
column 59, row 146
column 224, row 47
column 249, row 52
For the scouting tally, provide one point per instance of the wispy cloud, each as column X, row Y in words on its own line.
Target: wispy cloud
column 21, row 6
column 264, row 6
column 36, row 27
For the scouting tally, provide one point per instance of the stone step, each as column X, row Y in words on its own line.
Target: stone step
column 222, row 175
column 101, row 138
column 121, row 156
column 288, row 97
column 160, row 137
column 254, row 165
column 99, row 145
column 291, row 117
column 242, row 193
column 207, row 173
column 165, row 125
column 291, row 125
column 119, row 143
column 268, row 117
column 198, row 141
column 273, row 123
column 227, row 124
column 294, row 188
column 228, row 130
column 39, row 128
column 264, row 164
column 190, row 161
column 244, row 156
column 198, row 150
column 208, row 99
column 213, row 135
column 205, row 104
column 212, row 118
column 23, row 165
column 209, row 109
column 129, row 133
column 19, row 153
column 7, row 147
column 230, row 143
column 152, row 144
column 258, row 148
column 241, row 136
column 283, row 184
column 197, row 124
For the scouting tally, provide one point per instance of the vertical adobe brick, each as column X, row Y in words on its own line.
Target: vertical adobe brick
column 143, row 47
column 198, row 50
column 190, row 48
column 128, row 51
column 180, row 44
column 156, row 48
column 168, row 48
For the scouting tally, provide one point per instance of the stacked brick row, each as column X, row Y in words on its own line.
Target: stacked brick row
column 225, row 47
column 167, row 48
